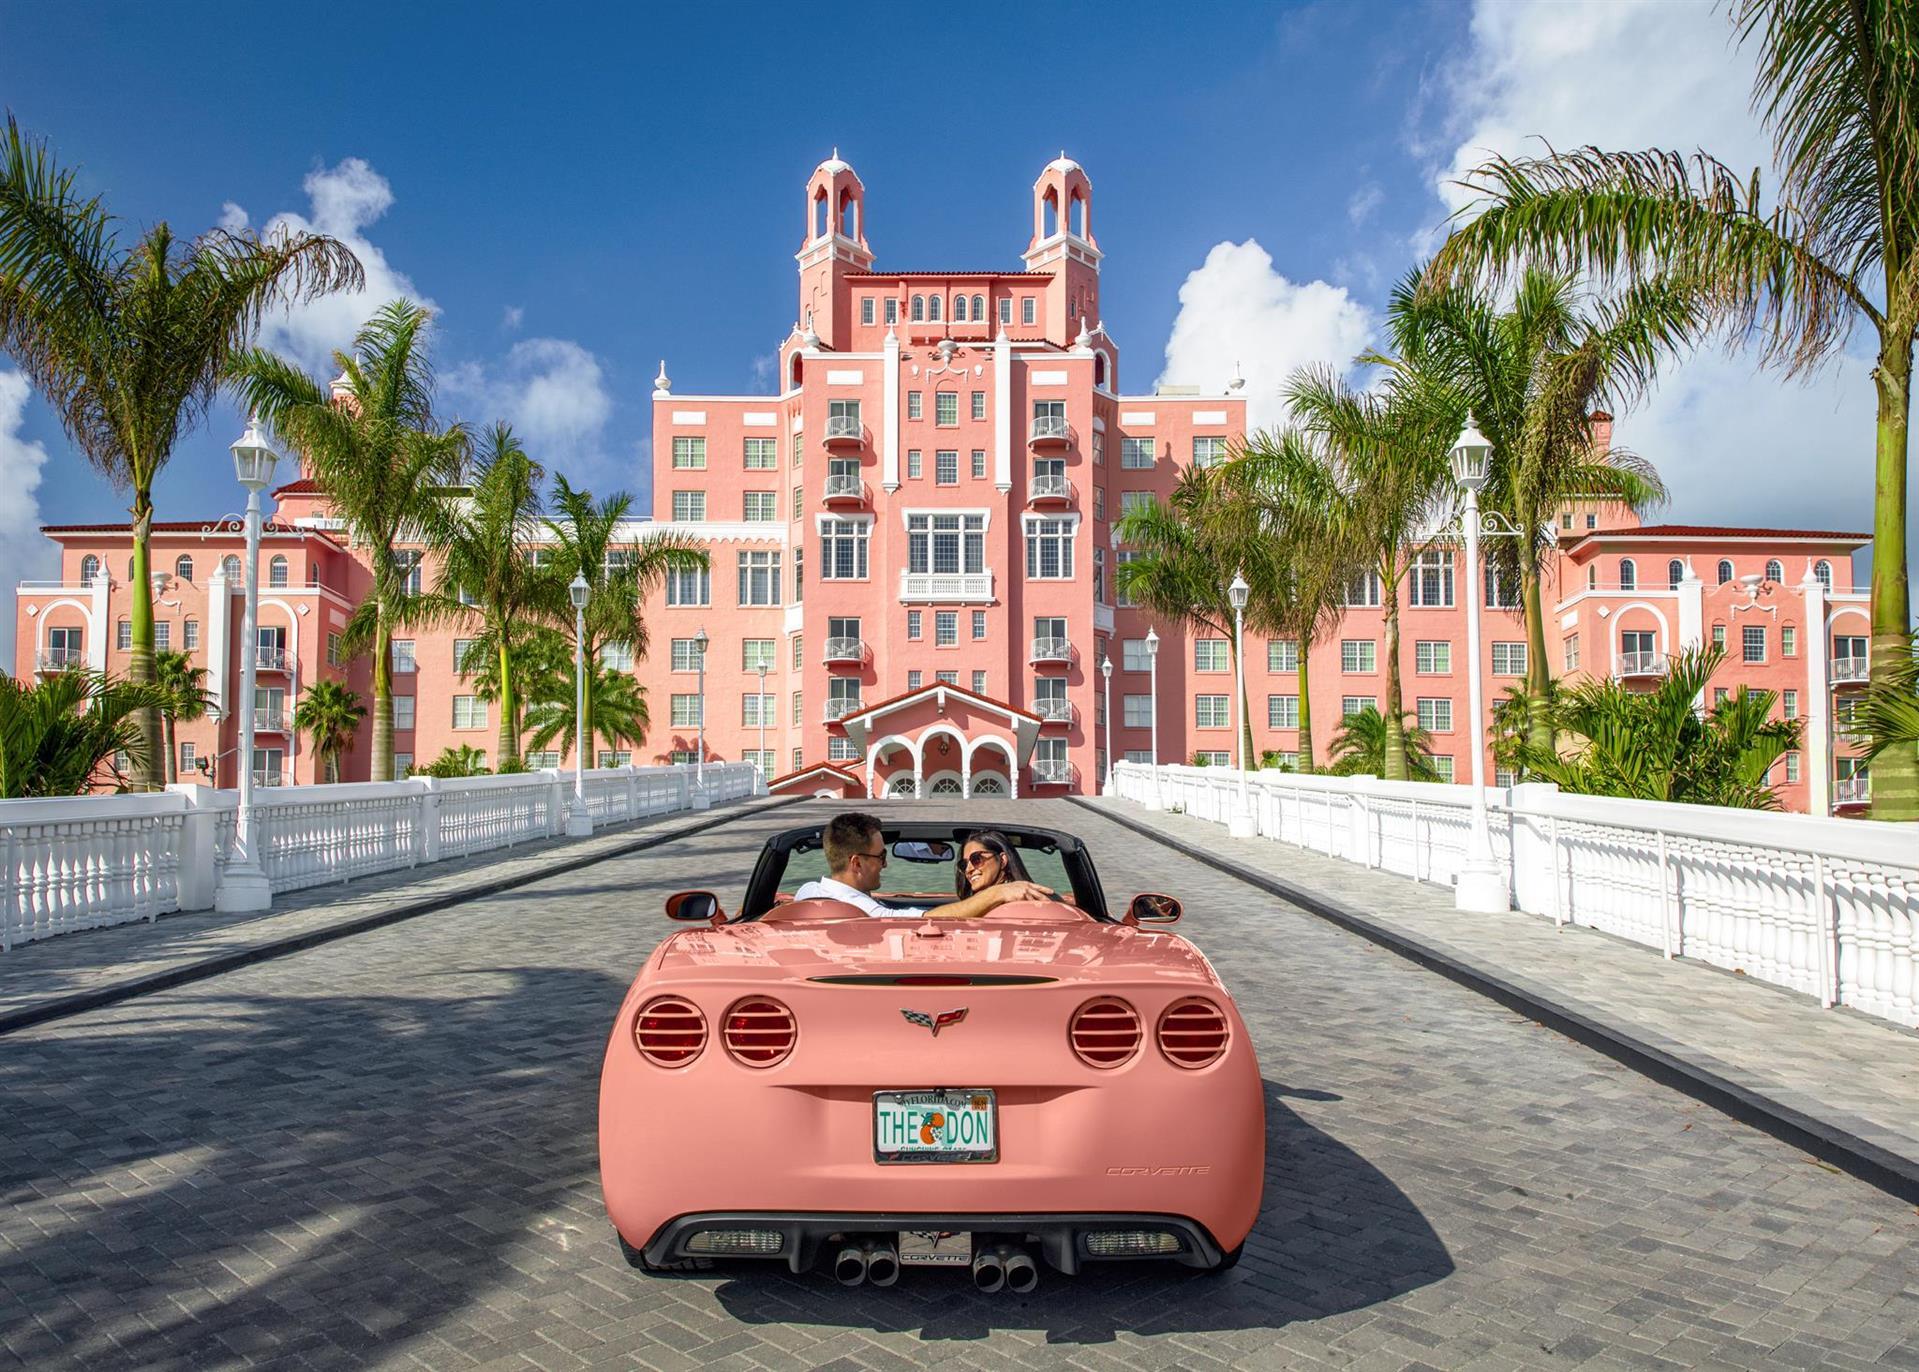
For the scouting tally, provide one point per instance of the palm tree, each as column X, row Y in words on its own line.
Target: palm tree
column 615, row 705
column 536, row 654
column 128, row 344
column 1837, row 84
column 462, row 760
column 1658, row 745
column 385, row 465
column 1389, row 452
column 1887, row 718
column 329, row 714
column 59, row 737
column 183, row 688
column 485, row 573
column 620, row 571
column 1359, row 748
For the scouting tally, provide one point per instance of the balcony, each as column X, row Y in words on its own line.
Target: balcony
column 849, row 650
column 1053, row 711
column 845, row 431
column 272, row 660
column 269, row 722
column 837, row 710
column 1626, row 666
column 1850, row 671
column 1049, row 490
column 59, row 659
column 265, row 778
column 1052, row 772
column 1852, row 790
column 1051, row 431
column 1051, row 650
column 953, row 588
column 844, row 490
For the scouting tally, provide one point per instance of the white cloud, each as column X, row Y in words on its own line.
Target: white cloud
column 763, row 367
column 510, row 318
column 1363, row 203
column 551, row 390
column 24, row 551
column 1235, row 310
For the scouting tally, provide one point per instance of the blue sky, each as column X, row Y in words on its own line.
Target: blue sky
column 581, row 195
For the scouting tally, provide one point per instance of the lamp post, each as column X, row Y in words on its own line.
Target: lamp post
column 579, row 822
column 1484, row 886
column 764, row 770
column 1240, row 823
column 243, row 882
column 1152, row 719
column 1106, row 671
column 700, row 640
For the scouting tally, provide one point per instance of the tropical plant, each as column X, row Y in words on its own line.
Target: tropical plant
column 1886, row 718
column 615, row 703
column 536, row 654
column 1659, row 745
column 128, row 343
column 621, row 571
column 385, row 465
column 1271, row 759
column 184, row 697
column 1839, row 85
column 329, row 714
column 59, row 736
column 463, row 760
column 1516, row 724
column 1359, row 748
column 486, row 576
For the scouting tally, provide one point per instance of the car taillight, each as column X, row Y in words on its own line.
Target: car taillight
column 1105, row 1032
column 669, row 1031
column 759, row 1031
column 1193, row 1033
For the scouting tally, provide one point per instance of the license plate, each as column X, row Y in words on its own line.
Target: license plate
column 935, row 1126
column 935, row 1248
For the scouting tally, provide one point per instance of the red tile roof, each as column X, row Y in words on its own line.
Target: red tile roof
column 188, row 526
column 881, row 706
column 306, row 485
column 1723, row 531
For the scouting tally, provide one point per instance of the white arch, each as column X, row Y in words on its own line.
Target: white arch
column 989, row 785
column 947, row 778
column 40, row 625
column 902, row 784
column 941, row 730
column 879, row 746
column 991, row 741
column 1665, row 630
column 1859, row 610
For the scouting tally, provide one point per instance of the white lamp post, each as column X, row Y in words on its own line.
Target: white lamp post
column 243, row 882
column 1240, row 823
column 579, row 821
column 1152, row 685
column 764, row 770
column 1106, row 671
column 1484, row 886
column 700, row 640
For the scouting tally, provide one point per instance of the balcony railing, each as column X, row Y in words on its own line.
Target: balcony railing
column 1049, row 487
column 844, row 487
column 1051, row 650
column 1850, row 670
column 1051, row 430
column 953, row 587
column 270, row 660
column 1054, row 711
column 269, row 721
column 844, row 431
column 1639, row 664
column 59, row 659
column 1852, row 790
column 840, row 709
column 845, row 650
column 1052, row 772
column 266, row 778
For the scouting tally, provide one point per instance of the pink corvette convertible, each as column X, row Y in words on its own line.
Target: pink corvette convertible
column 1049, row 1085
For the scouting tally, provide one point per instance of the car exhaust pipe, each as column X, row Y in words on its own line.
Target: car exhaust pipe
column 989, row 1270
column 1022, row 1273
column 882, row 1263
column 849, row 1268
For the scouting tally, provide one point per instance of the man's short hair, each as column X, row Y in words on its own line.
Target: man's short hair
column 846, row 836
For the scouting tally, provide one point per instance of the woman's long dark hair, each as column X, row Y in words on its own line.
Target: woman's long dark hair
column 1010, row 867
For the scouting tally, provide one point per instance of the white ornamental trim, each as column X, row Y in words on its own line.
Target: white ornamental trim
column 1209, row 416
column 850, row 377
column 1138, row 417
column 689, row 416
column 760, row 419
column 1046, row 378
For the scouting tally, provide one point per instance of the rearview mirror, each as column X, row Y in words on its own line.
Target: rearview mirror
column 695, row 907
column 1148, row 908
column 918, row 850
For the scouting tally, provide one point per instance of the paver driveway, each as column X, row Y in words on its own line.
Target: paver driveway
column 381, row 1152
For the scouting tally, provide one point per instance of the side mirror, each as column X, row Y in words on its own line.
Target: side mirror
column 918, row 850
column 695, row 907
column 1149, row 908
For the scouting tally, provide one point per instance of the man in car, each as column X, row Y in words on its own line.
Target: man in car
column 856, row 859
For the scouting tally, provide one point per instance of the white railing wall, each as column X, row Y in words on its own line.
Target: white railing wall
column 1827, row 907
column 87, row 861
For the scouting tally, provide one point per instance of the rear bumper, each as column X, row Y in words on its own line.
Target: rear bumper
column 1060, row 1238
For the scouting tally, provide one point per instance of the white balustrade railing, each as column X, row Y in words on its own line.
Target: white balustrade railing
column 86, row 861
column 1823, row 906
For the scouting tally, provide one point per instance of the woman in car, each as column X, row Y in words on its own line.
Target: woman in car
column 987, row 859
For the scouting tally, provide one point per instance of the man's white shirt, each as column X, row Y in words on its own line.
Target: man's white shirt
column 826, row 888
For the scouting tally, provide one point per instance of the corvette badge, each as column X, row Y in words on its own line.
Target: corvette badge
column 937, row 1022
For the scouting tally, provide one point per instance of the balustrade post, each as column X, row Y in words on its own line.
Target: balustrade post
column 632, row 793
column 1559, row 892
column 426, row 844
column 1825, row 925
column 9, row 890
column 1665, row 897
column 556, row 789
column 196, row 878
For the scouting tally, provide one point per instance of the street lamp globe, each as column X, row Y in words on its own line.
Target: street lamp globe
column 1238, row 592
column 1106, row 668
column 254, row 456
column 700, row 640
column 1152, row 643
column 1470, row 456
column 579, row 590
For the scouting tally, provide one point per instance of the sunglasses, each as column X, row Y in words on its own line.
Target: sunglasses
column 982, row 857
column 879, row 857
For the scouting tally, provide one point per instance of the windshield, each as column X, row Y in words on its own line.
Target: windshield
column 1053, row 862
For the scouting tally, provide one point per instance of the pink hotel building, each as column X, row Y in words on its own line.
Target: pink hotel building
column 911, row 568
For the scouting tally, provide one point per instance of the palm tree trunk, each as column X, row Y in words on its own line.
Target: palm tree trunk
column 383, row 702
column 1539, row 674
column 509, row 753
column 1248, row 759
column 1895, row 772
column 148, row 774
column 1395, row 760
column 586, row 723
column 172, row 767
column 1305, row 712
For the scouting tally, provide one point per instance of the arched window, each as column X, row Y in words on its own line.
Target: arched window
column 919, row 308
column 933, row 308
column 819, row 214
column 796, row 369
column 1675, row 573
column 89, row 569
column 979, row 309
column 946, row 786
column 1725, row 570
column 183, row 568
column 1592, row 577
column 230, row 567
column 129, row 571
column 989, row 785
column 959, row 309
column 1822, row 573
column 1078, row 208
column 849, row 215
column 1099, row 370
column 1774, row 572
column 1628, row 575
column 277, row 571
column 1049, row 208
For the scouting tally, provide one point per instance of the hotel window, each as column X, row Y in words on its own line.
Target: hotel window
column 1719, row 636
column 947, row 678
column 686, row 655
column 839, row 748
column 979, row 309
column 1792, row 769
column 1121, row 559
column 334, row 654
column 866, row 309
column 1282, row 712
column 689, row 586
column 1436, row 714
column 1430, row 579
column 1570, row 652
column 946, row 467
column 842, row 696
column 913, row 463
column 409, row 562
column 799, row 754
column 1282, row 655
column 919, row 309
column 1592, row 577
column 914, row 678
column 1028, row 309
column 1719, row 694
column 616, row 657
column 189, row 758
column 1504, row 777
column 755, row 707
column 914, row 401
column 1592, row 521
column 1358, row 655
column 1211, row 712
column 1628, row 574
column 1789, row 704
column 756, row 653
column 689, row 454
column 1443, row 766
column 1137, row 712
column 1208, row 452
column 1047, row 470
column 229, row 568
column 463, row 646
column 190, row 635
column 1752, row 643
column 1138, row 755
column 946, row 542
column 912, row 625
column 892, row 316
column 761, row 507
column 1774, row 572
column 1356, row 705
column 162, row 637
column 946, row 628
column 979, row 464
column 1209, row 655
column 979, row 683
column 623, row 757
column 685, row 710
column 1131, row 502
column 1509, row 659
column 1099, row 502
column 1136, row 454
column 403, row 655
column 796, row 505
column 979, row 624
column 1132, row 655
column 1099, row 448
column 799, row 650
column 759, row 578
column 843, row 549
column 1675, row 573
column 402, row 766
column 799, row 704
column 1788, row 640
column 277, row 571
column 469, row 712
column 403, row 712
column 1822, row 573
column 689, row 507
column 979, row 405
column 1361, row 592
column 959, row 309
column 935, row 305
column 1049, row 549
column 762, row 454
column 1725, row 570
column 1432, row 658
column 1502, row 592
column 946, row 408
column 681, row 757
column 1099, row 575
column 1006, row 309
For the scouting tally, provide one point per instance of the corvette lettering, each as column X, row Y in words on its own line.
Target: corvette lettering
column 1200, row 1171
column 943, row 1020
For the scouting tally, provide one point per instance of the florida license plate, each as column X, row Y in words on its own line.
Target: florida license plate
column 935, row 1126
